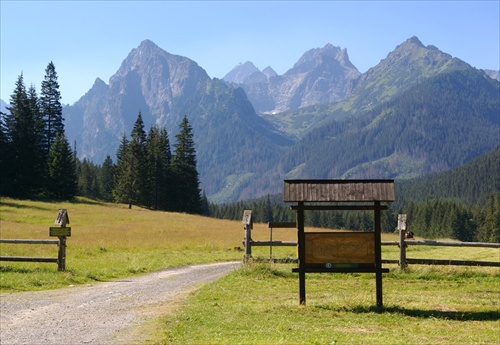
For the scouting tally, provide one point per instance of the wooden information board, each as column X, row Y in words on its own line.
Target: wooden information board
column 339, row 252
column 339, row 248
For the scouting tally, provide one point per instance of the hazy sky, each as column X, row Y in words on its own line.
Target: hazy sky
column 89, row 39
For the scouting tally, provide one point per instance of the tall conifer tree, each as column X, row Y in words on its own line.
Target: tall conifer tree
column 62, row 182
column 130, row 176
column 187, row 185
column 24, row 138
column 5, row 159
column 106, row 183
column 51, row 106
column 158, row 166
column 137, row 159
column 123, row 189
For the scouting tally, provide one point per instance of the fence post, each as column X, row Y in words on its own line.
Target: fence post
column 62, row 220
column 247, row 221
column 61, row 255
column 402, row 249
column 402, row 244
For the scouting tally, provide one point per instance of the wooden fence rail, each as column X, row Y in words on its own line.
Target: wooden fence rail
column 60, row 260
column 403, row 243
column 249, row 243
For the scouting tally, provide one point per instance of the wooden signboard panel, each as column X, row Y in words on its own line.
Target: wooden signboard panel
column 60, row 232
column 339, row 248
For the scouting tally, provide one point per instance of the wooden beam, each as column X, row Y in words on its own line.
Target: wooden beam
column 283, row 225
column 340, row 207
column 26, row 259
column 29, row 241
column 273, row 243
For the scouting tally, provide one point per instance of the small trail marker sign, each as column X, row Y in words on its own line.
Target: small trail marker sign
column 60, row 232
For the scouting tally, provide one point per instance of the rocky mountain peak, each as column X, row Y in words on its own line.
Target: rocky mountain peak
column 315, row 57
column 407, row 65
column 269, row 72
column 241, row 72
column 99, row 88
column 321, row 75
column 413, row 40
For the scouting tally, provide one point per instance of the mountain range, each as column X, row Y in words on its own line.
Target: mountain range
column 322, row 75
column 418, row 111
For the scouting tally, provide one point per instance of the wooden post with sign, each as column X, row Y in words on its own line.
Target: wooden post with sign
column 248, row 223
column 61, row 232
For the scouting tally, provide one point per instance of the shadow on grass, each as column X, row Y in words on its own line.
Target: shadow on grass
column 25, row 270
column 493, row 315
column 14, row 205
column 76, row 200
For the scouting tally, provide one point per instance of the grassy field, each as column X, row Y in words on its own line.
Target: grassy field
column 257, row 304
column 108, row 241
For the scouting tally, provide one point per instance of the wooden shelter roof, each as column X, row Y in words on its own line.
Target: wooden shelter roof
column 338, row 190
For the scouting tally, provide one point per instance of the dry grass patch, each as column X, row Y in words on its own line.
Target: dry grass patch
column 108, row 241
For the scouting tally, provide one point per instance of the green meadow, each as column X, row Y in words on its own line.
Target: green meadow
column 258, row 303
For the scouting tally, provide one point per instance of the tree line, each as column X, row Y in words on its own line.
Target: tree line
column 146, row 172
column 36, row 159
column 35, row 156
column 433, row 218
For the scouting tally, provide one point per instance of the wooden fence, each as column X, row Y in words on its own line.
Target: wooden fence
column 403, row 261
column 61, row 256
column 249, row 243
column 403, row 243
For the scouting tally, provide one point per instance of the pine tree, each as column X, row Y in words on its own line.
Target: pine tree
column 87, row 179
column 130, row 173
column 24, row 139
column 490, row 229
column 5, row 156
column 51, row 106
column 39, row 157
column 137, row 159
column 123, row 189
column 62, row 182
column 158, row 168
column 187, row 193
column 106, row 183
column 205, row 206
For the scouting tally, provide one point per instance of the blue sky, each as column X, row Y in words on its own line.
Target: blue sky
column 89, row 39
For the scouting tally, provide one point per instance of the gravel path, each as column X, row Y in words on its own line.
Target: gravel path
column 102, row 313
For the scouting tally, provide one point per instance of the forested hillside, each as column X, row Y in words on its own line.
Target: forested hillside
column 470, row 184
column 439, row 124
column 463, row 203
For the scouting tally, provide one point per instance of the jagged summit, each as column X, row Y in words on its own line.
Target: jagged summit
column 321, row 75
column 269, row 72
column 241, row 72
column 316, row 56
column 414, row 40
column 98, row 82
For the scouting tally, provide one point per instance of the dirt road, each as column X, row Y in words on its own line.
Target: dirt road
column 102, row 313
